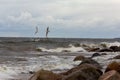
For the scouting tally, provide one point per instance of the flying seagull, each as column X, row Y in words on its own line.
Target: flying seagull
column 36, row 30
column 47, row 31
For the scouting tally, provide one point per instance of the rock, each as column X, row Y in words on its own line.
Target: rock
column 113, row 66
column 115, row 48
column 81, row 67
column 38, row 49
column 78, row 58
column 45, row 75
column 116, row 57
column 77, row 45
column 111, row 75
column 65, row 51
column 86, row 72
column 92, row 62
column 103, row 53
column 105, row 50
column 94, row 49
column 95, row 55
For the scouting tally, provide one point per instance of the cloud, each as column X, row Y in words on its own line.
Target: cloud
column 100, row 16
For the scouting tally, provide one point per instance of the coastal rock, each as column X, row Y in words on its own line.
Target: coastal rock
column 95, row 55
column 78, row 58
column 86, row 72
column 116, row 57
column 113, row 66
column 103, row 53
column 38, row 49
column 111, row 75
column 65, row 51
column 93, row 49
column 115, row 48
column 81, row 67
column 92, row 62
column 45, row 75
column 105, row 50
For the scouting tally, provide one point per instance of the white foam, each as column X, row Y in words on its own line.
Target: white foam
column 70, row 49
column 6, row 73
column 111, row 44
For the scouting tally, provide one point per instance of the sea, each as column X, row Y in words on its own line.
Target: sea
column 21, row 56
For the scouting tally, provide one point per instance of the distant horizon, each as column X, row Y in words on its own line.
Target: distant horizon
column 61, row 37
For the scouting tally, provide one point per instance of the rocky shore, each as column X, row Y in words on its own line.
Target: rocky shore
column 88, row 69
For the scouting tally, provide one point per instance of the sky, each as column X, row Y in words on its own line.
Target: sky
column 65, row 18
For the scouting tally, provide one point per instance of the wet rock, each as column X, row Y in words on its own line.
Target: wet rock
column 111, row 75
column 38, row 49
column 81, row 67
column 78, row 58
column 95, row 55
column 105, row 50
column 77, row 45
column 31, row 72
column 94, row 49
column 45, row 75
column 92, row 62
column 86, row 72
column 103, row 53
column 113, row 66
column 116, row 57
column 65, row 51
column 115, row 48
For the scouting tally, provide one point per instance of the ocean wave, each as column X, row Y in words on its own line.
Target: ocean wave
column 62, row 49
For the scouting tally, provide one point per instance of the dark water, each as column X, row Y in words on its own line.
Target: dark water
column 21, row 55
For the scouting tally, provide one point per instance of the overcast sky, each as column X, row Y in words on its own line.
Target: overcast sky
column 66, row 18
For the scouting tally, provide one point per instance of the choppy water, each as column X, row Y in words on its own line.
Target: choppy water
column 19, row 56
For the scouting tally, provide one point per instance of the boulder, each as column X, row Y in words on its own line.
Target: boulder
column 113, row 66
column 95, row 55
column 92, row 62
column 86, row 72
column 105, row 50
column 93, row 49
column 74, row 69
column 78, row 58
column 103, row 53
column 45, row 75
column 116, row 57
column 110, row 75
column 115, row 48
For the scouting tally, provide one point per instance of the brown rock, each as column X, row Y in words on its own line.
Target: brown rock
column 81, row 67
column 92, row 62
column 115, row 48
column 111, row 75
column 86, row 72
column 45, row 75
column 113, row 66
column 94, row 49
column 78, row 58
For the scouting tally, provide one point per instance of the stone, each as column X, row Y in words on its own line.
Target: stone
column 116, row 57
column 115, row 48
column 113, row 66
column 110, row 75
column 92, row 62
column 45, row 75
column 78, row 58
column 95, row 55
column 93, row 49
column 86, row 72
column 105, row 50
